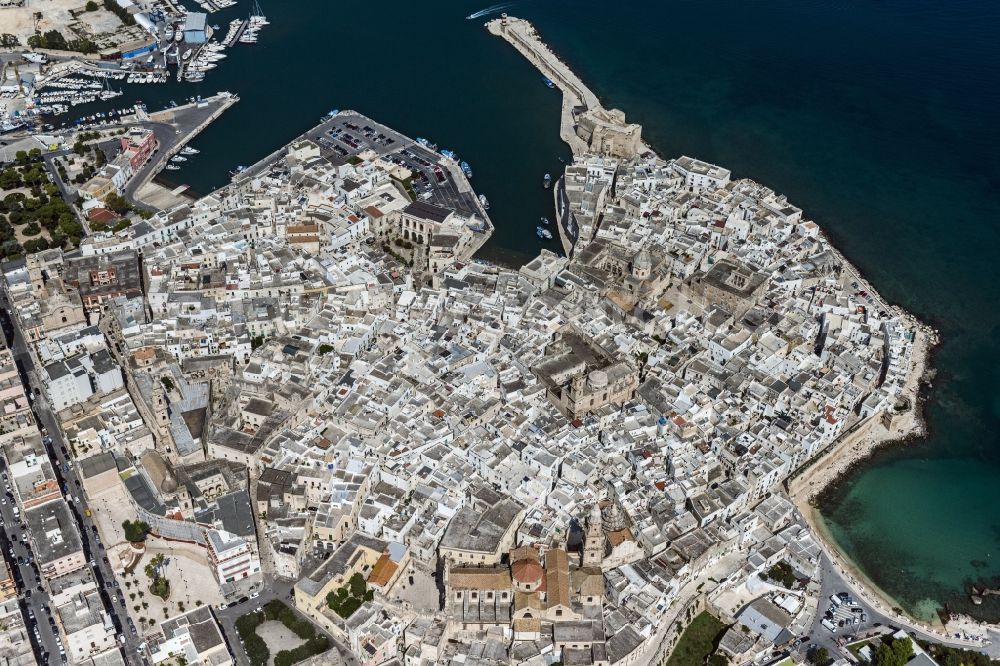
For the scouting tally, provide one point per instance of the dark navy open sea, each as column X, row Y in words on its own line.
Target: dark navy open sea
column 878, row 117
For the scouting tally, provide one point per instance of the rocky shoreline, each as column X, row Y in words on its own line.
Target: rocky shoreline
column 841, row 467
column 870, row 436
column 815, row 486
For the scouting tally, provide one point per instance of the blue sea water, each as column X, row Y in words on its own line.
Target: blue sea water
column 878, row 117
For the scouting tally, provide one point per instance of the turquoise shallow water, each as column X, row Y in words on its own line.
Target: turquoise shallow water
column 878, row 117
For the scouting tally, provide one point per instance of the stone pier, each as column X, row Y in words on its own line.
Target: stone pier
column 576, row 96
column 585, row 125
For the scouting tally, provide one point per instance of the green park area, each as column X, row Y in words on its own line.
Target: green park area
column 275, row 611
column 698, row 642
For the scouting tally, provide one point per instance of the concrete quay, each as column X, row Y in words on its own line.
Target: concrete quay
column 174, row 128
column 454, row 192
column 521, row 34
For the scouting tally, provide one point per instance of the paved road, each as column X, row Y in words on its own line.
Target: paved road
column 32, row 601
column 166, row 138
column 168, row 135
column 833, row 582
column 185, row 121
column 69, row 482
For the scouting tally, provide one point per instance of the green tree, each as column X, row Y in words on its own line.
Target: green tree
column 117, row 203
column 57, row 239
column 92, row 6
column 35, row 245
column 358, row 585
column 10, row 249
column 31, row 229
column 819, row 656
column 10, row 178
column 254, row 645
column 123, row 15
column 894, row 653
column 135, row 531
column 55, row 40
column 949, row 656
column 781, row 573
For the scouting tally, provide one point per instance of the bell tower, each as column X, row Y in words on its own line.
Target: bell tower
column 593, row 544
column 160, row 405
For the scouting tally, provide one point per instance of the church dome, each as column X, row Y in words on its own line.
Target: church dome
column 612, row 517
column 527, row 572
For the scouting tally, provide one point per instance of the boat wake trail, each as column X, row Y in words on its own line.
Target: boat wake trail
column 490, row 10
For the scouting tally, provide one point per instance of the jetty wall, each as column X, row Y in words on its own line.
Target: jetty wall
column 523, row 36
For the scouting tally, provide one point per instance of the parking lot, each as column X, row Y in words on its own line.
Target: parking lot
column 843, row 613
column 435, row 179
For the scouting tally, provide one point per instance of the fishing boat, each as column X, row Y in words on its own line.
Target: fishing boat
column 188, row 150
column 429, row 145
column 547, row 181
column 466, row 169
column 450, row 154
column 549, row 83
column 178, row 158
column 484, row 202
column 542, row 232
column 172, row 167
column 545, row 221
